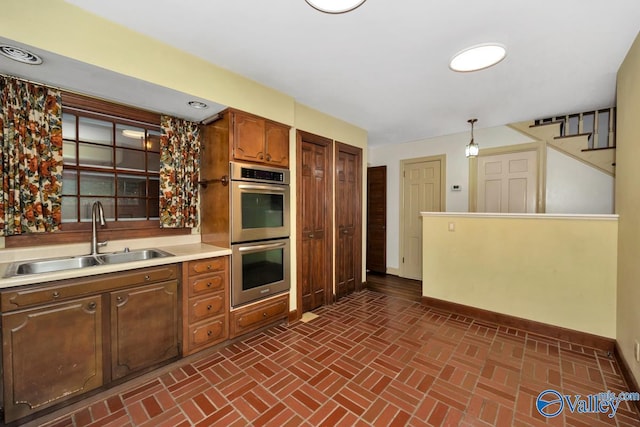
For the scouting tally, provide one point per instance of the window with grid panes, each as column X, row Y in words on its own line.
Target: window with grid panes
column 111, row 160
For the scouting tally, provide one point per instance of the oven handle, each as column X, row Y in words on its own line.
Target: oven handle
column 248, row 249
column 260, row 187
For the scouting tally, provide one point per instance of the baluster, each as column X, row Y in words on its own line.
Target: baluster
column 611, row 142
column 594, row 143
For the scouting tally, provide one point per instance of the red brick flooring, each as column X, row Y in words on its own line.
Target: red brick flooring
column 370, row 359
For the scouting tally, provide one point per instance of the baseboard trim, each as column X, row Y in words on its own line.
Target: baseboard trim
column 626, row 373
column 558, row 332
column 293, row 315
column 393, row 271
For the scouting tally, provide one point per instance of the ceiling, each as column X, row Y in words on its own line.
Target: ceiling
column 384, row 66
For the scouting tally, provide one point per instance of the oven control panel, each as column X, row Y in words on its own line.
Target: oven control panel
column 255, row 173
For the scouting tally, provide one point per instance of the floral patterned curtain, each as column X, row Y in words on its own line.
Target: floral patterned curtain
column 179, row 171
column 31, row 136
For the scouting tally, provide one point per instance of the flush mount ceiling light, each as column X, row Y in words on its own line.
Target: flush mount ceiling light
column 472, row 148
column 197, row 105
column 478, row 57
column 20, row 55
column 335, row 6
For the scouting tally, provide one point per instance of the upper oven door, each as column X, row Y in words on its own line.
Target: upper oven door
column 259, row 211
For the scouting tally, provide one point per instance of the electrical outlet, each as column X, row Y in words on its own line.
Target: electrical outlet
column 636, row 351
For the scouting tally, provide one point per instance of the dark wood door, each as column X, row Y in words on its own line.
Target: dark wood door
column 144, row 327
column 314, row 221
column 377, row 219
column 51, row 354
column 348, row 219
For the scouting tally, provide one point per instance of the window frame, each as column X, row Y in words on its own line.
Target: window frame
column 79, row 232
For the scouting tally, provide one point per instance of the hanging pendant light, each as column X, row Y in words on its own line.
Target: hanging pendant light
column 472, row 148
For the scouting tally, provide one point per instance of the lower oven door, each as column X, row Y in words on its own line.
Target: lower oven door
column 259, row 270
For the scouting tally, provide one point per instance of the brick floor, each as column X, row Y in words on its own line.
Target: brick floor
column 370, row 359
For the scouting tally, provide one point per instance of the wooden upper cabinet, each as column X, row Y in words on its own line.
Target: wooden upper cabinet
column 258, row 140
column 276, row 144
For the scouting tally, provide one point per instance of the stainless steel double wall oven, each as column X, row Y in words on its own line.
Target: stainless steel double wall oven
column 260, row 227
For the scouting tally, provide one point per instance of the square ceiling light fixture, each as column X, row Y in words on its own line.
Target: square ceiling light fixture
column 478, row 57
column 335, row 6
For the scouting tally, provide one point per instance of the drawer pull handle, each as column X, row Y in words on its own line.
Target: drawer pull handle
column 208, row 266
column 92, row 305
column 147, row 277
column 209, row 307
column 55, row 294
column 264, row 314
column 208, row 284
column 209, row 333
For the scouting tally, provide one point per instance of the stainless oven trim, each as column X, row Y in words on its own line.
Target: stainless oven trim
column 240, row 297
column 240, row 235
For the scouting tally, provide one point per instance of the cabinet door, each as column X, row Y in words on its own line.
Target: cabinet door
column 248, row 137
column 50, row 354
column 144, row 327
column 276, row 144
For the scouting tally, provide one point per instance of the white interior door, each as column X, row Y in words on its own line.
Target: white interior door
column 421, row 193
column 508, row 182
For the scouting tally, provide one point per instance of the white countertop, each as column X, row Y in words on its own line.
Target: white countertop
column 181, row 252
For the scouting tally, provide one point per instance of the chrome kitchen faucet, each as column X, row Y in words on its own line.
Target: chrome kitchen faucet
column 96, row 211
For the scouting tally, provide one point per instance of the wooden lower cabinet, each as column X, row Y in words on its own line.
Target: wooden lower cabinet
column 254, row 316
column 144, row 327
column 51, row 354
column 62, row 339
column 205, row 300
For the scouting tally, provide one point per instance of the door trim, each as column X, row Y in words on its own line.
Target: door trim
column 540, row 147
column 356, row 151
column 328, row 212
column 442, row 158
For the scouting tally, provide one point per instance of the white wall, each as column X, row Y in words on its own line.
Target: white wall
column 572, row 186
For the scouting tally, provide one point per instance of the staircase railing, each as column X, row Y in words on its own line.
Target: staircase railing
column 598, row 125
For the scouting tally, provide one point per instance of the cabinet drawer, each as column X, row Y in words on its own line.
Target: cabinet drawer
column 203, row 308
column 207, row 265
column 255, row 316
column 205, row 284
column 33, row 295
column 207, row 333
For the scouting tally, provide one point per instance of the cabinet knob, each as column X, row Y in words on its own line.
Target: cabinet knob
column 208, row 284
column 119, row 299
column 311, row 235
column 209, row 333
column 147, row 277
column 345, row 231
column 208, row 266
column 268, row 157
column 55, row 294
column 209, row 307
column 261, row 156
column 264, row 314
column 92, row 305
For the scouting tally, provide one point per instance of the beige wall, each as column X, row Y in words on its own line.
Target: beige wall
column 628, row 206
column 91, row 39
column 550, row 269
